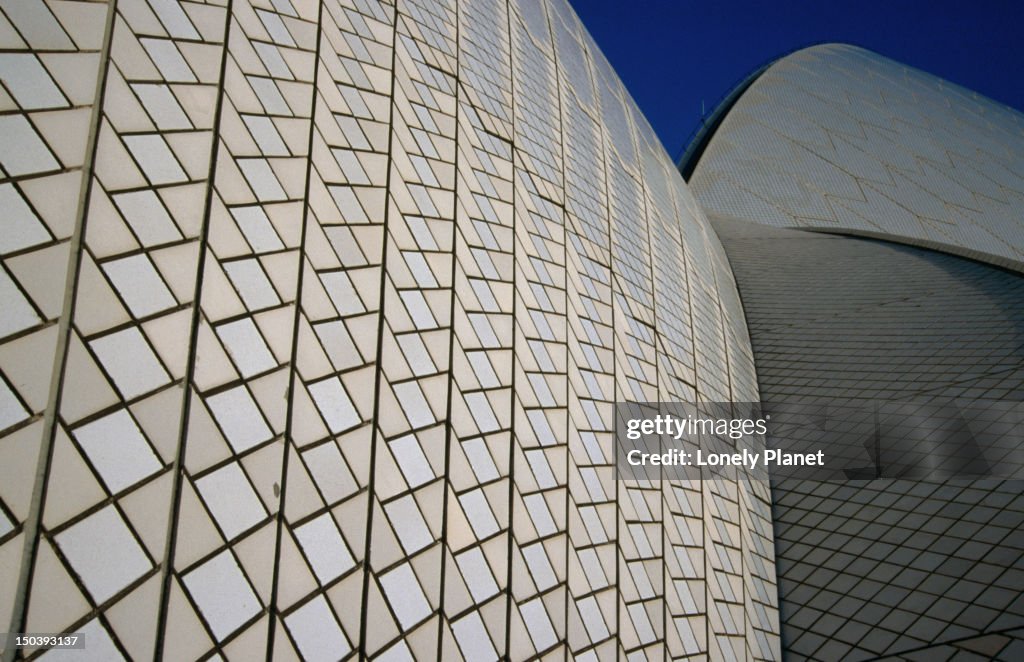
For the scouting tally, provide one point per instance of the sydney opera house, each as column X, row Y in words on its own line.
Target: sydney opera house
column 315, row 315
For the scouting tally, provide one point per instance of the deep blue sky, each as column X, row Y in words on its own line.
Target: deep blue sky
column 671, row 54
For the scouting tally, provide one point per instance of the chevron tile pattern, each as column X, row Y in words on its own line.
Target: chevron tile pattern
column 834, row 137
column 910, row 569
column 49, row 66
column 337, row 298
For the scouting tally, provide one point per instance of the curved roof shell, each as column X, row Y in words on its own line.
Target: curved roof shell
column 836, row 138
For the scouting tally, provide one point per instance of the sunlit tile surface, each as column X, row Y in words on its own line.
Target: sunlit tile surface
column 315, row 314
column 834, row 137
